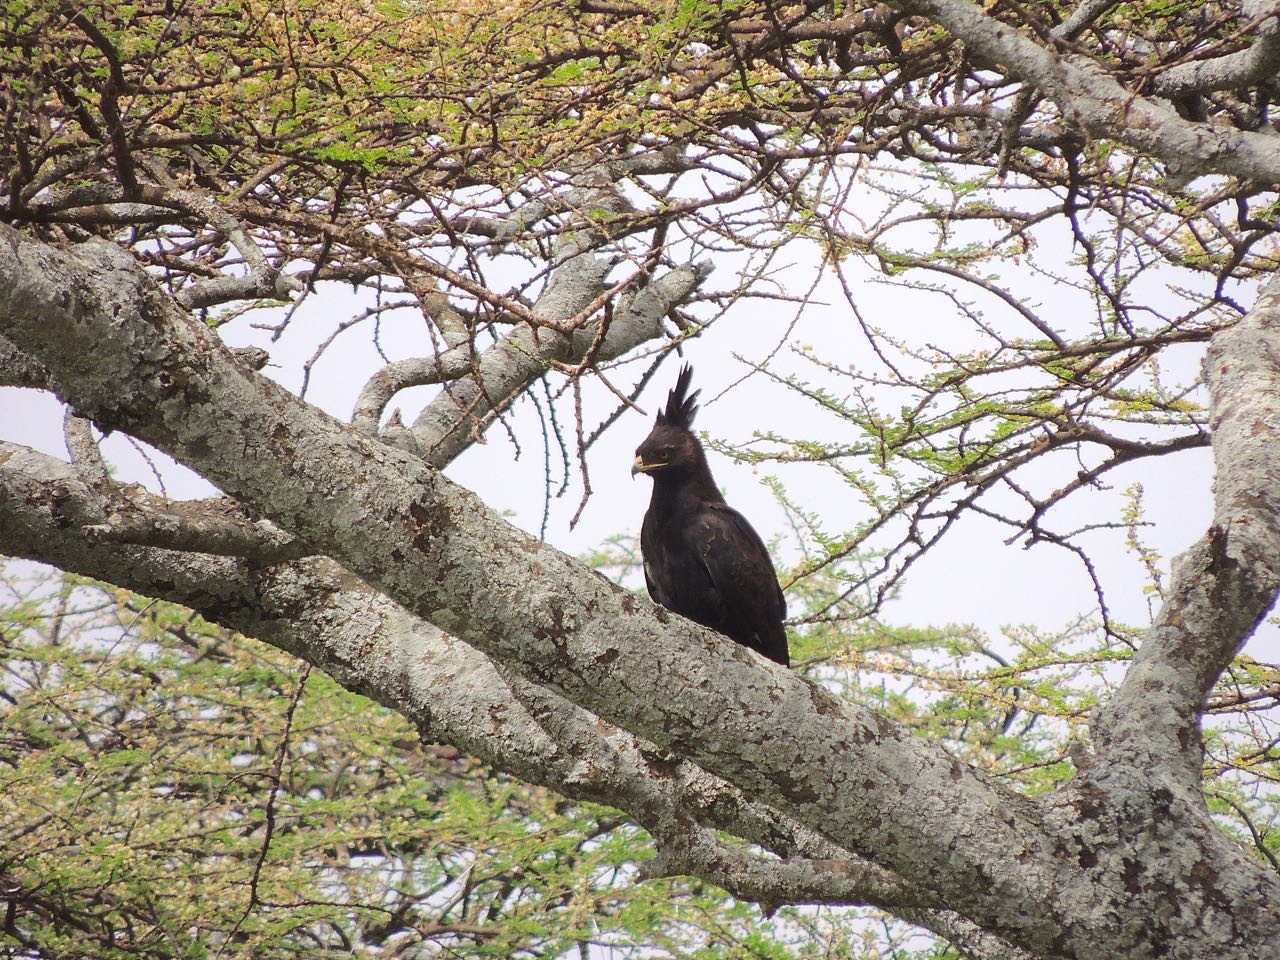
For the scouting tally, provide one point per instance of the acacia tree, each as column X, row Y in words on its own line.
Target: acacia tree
column 171, row 167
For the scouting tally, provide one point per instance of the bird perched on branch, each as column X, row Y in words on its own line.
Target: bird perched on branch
column 701, row 557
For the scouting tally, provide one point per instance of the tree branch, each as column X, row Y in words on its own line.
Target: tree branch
column 1223, row 585
column 453, row 694
column 451, row 421
column 319, row 612
column 448, row 424
column 1094, row 102
column 127, row 356
column 211, row 526
column 262, row 280
column 1257, row 62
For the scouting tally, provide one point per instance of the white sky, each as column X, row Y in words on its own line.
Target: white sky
column 972, row 577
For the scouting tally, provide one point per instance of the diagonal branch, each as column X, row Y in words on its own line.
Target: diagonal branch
column 447, row 425
column 568, row 326
column 451, row 692
column 1082, row 17
column 127, row 356
column 319, row 612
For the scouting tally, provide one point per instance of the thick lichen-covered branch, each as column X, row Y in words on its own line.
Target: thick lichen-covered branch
column 319, row 612
column 138, row 363
column 442, row 554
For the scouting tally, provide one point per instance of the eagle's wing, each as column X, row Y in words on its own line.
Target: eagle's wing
column 744, row 600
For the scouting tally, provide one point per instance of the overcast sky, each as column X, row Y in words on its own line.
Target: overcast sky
column 972, row 577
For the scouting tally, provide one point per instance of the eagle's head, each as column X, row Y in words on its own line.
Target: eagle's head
column 671, row 447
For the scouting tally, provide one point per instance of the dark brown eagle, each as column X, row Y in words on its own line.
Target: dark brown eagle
column 701, row 557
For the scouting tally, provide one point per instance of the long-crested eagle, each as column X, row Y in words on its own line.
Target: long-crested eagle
column 701, row 557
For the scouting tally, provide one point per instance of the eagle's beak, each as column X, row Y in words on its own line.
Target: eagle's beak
column 639, row 466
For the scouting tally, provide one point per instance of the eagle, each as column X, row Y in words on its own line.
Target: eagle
column 701, row 557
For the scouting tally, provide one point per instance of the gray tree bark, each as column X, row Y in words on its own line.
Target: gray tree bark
column 493, row 641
